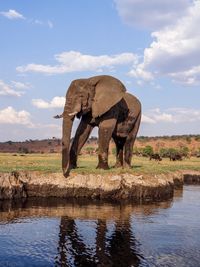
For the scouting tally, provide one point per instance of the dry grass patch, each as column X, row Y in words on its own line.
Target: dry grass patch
column 87, row 164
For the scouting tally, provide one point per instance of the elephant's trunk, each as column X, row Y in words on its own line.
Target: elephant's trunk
column 67, row 128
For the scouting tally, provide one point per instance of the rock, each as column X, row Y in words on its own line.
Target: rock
column 11, row 186
column 191, row 177
column 122, row 186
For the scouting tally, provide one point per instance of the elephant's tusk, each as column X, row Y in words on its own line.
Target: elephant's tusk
column 73, row 113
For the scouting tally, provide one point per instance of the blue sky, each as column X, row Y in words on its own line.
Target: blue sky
column 152, row 47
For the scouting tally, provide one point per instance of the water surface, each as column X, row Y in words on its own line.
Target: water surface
column 58, row 232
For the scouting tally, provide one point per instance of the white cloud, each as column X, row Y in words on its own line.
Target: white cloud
column 43, row 23
column 37, row 21
column 10, row 116
column 15, row 89
column 174, row 53
column 146, row 119
column 140, row 73
column 189, row 77
column 56, row 102
column 12, row 14
column 6, row 89
column 75, row 61
column 172, row 115
column 164, row 117
column 153, row 14
column 185, row 114
column 20, row 85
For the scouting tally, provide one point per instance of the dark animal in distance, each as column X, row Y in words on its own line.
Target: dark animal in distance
column 155, row 156
column 175, row 157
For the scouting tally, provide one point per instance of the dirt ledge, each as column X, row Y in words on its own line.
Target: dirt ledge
column 123, row 186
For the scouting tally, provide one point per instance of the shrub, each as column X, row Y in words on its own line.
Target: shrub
column 164, row 152
column 184, row 151
column 10, row 142
column 197, row 138
column 147, row 151
column 23, row 150
column 188, row 139
column 167, row 152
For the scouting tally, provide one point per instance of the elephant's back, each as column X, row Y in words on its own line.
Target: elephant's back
column 133, row 103
column 130, row 110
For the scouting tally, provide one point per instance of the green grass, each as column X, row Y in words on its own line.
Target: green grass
column 87, row 164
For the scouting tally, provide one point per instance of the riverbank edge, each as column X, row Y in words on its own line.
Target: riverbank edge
column 16, row 185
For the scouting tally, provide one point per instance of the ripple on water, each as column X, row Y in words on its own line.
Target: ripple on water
column 101, row 234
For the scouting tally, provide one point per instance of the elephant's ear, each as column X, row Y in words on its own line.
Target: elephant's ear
column 108, row 92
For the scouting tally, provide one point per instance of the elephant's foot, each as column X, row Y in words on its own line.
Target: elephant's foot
column 118, row 165
column 127, row 165
column 102, row 165
column 73, row 166
column 103, row 162
column 66, row 172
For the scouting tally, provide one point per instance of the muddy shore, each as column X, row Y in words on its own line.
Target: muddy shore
column 17, row 185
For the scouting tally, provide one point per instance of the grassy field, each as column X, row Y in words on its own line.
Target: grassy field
column 87, row 164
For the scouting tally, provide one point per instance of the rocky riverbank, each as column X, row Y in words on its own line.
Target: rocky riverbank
column 123, row 186
column 17, row 185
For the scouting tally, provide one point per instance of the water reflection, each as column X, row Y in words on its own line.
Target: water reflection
column 76, row 209
column 112, row 243
column 117, row 250
column 56, row 232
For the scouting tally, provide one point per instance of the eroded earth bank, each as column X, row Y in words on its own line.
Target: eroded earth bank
column 17, row 185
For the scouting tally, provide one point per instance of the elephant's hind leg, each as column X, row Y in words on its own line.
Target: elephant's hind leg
column 128, row 148
column 119, row 142
column 106, row 128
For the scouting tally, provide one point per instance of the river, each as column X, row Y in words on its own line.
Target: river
column 56, row 232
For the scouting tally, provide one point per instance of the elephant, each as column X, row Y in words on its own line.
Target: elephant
column 100, row 101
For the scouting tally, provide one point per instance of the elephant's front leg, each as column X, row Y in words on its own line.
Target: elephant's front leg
column 106, row 128
column 82, row 133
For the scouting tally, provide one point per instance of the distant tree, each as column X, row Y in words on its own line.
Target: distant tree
column 147, row 151
column 93, row 138
column 197, row 138
column 164, row 152
column 188, row 139
column 142, row 138
column 184, row 151
column 23, row 150
column 10, row 142
column 172, row 151
column 167, row 152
